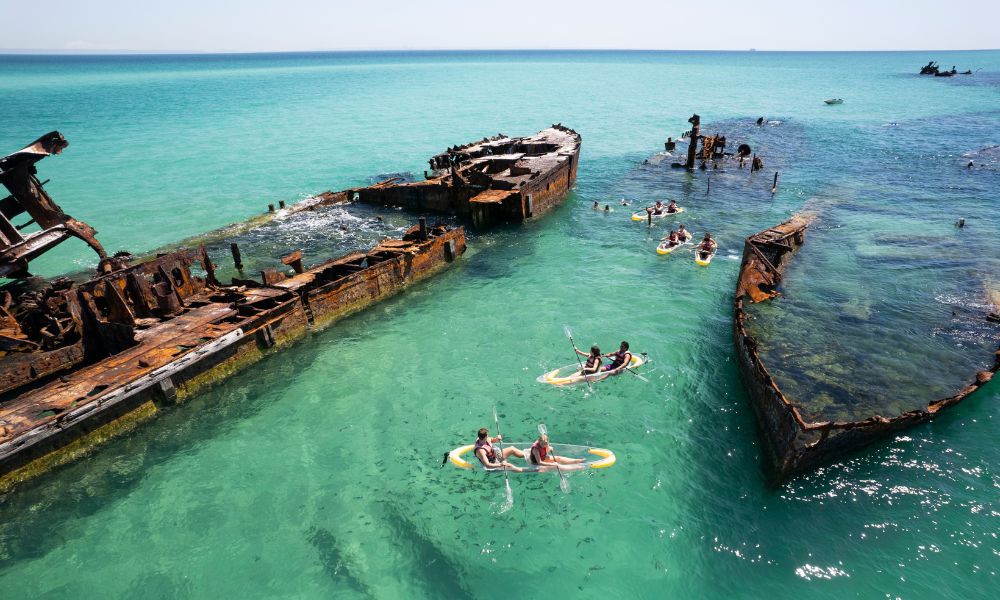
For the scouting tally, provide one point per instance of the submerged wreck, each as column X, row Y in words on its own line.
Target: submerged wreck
column 82, row 361
column 496, row 180
column 793, row 444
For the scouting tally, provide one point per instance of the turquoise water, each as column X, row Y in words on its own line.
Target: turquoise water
column 317, row 472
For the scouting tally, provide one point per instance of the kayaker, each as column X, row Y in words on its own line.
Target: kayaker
column 490, row 456
column 707, row 245
column 593, row 362
column 597, row 205
column 673, row 239
column 542, row 454
column 656, row 209
column 621, row 358
column 684, row 234
column 672, row 207
column 607, row 208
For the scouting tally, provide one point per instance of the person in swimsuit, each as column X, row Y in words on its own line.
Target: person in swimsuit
column 493, row 458
column 672, row 207
column 619, row 359
column 673, row 239
column 597, row 205
column 707, row 246
column 542, row 454
column 593, row 362
column 656, row 209
column 684, row 234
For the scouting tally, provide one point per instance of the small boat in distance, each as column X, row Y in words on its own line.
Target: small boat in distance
column 834, row 101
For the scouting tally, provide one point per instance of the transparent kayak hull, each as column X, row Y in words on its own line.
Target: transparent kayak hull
column 642, row 216
column 595, row 458
column 570, row 374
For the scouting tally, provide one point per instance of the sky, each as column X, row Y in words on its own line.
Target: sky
column 304, row 25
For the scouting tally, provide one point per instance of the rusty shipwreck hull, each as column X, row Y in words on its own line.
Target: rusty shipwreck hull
column 496, row 180
column 160, row 334
column 792, row 444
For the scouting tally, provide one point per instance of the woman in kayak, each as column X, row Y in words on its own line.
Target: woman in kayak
column 672, row 207
column 593, row 363
column 542, row 454
column 684, row 234
column 673, row 239
column 656, row 209
column 707, row 246
column 619, row 359
column 490, row 456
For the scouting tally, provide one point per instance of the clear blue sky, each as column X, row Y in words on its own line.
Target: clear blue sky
column 258, row 25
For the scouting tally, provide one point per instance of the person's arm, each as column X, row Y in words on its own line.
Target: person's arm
column 578, row 351
column 498, row 438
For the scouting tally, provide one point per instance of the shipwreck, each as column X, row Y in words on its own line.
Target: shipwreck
column 793, row 444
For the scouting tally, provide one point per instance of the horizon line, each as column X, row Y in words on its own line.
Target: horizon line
column 124, row 52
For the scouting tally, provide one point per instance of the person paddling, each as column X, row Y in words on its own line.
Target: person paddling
column 673, row 239
column 542, row 454
column 593, row 362
column 490, row 456
column 656, row 209
column 707, row 246
column 619, row 359
column 684, row 234
column 672, row 207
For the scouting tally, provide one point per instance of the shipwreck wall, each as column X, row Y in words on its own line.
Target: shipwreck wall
column 791, row 444
column 61, row 421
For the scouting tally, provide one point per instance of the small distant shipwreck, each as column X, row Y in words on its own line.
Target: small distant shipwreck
column 83, row 360
column 932, row 68
column 792, row 444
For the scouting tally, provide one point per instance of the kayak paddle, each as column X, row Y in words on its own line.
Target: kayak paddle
column 509, row 503
column 586, row 377
column 563, row 482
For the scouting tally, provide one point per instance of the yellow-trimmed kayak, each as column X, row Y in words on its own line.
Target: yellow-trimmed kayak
column 663, row 248
column 570, row 374
column 642, row 216
column 598, row 458
column 704, row 262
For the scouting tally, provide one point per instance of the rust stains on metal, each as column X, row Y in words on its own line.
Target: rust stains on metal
column 76, row 358
column 17, row 174
column 496, row 180
column 793, row 444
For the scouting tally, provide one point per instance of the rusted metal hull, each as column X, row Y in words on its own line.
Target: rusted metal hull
column 200, row 332
column 792, row 444
column 497, row 180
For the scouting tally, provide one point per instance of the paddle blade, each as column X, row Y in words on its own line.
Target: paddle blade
column 567, row 331
column 564, row 484
column 495, row 419
column 542, row 430
column 509, row 501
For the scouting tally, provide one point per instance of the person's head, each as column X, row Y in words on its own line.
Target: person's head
column 596, row 204
column 659, row 202
column 594, row 350
column 543, row 439
column 607, row 208
column 708, row 236
column 672, row 201
column 483, row 433
column 624, row 345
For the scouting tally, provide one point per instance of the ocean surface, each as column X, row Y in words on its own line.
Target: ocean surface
column 317, row 472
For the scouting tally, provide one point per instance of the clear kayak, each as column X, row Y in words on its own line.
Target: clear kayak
column 701, row 259
column 642, row 216
column 570, row 374
column 666, row 248
column 594, row 458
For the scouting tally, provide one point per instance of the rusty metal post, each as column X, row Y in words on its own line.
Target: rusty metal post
column 270, row 208
column 281, row 204
column 774, row 188
column 695, row 122
column 237, row 259
column 423, row 228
